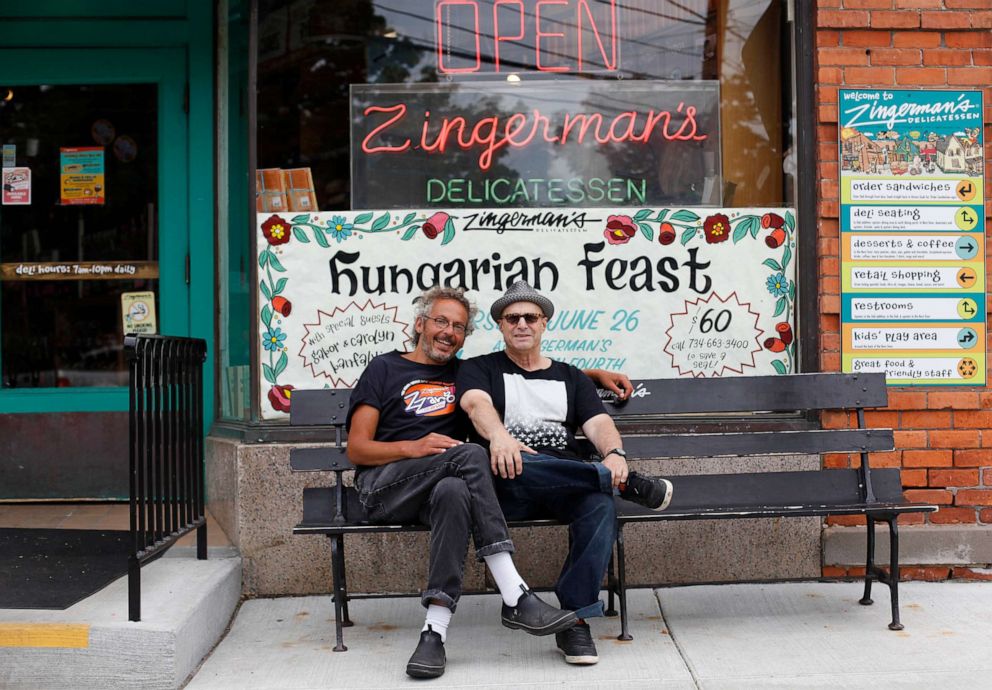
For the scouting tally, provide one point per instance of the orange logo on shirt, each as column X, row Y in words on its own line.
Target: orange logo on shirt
column 429, row 398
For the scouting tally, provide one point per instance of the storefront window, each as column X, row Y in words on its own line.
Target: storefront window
column 648, row 146
column 310, row 51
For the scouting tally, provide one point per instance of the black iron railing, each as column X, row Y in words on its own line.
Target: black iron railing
column 166, row 449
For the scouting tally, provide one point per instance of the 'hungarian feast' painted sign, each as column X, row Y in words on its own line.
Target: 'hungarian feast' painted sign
column 913, row 235
column 653, row 292
column 578, row 143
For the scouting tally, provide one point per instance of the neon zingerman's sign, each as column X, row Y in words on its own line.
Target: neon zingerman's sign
column 440, row 133
column 534, row 144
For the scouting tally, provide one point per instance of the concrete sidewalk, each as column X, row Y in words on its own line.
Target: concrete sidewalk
column 794, row 635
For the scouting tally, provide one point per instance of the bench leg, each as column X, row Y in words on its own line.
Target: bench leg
column 346, row 622
column 869, row 562
column 893, row 578
column 337, row 573
column 622, row 586
column 611, row 587
column 133, row 588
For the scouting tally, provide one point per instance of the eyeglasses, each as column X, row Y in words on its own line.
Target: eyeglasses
column 443, row 323
column 514, row 319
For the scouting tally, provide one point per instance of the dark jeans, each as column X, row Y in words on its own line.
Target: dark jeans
column 452, row 493
column 581, row 495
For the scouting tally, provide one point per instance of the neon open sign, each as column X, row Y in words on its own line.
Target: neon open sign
column 513, row 36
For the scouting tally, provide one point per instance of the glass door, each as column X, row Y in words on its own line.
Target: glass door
column 93, row 233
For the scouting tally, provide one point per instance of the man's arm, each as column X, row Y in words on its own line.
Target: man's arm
column 613, row 381
column 604, row 435
column 364, row 450
column 504, row 450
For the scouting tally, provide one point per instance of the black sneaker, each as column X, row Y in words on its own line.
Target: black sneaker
column 577, row 645
column 428, row 659
column 534, row 616
column 650, row 492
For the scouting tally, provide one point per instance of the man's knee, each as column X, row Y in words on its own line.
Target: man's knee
column 470, row 454
column 450, row 494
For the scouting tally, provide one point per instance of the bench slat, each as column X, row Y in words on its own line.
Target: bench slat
column 319, row 459
column 754, row 393
column 323, row 406
column 759, row 443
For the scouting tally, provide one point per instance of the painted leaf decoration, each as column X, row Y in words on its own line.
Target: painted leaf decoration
column 685, row 216
column 642, row 214
column 263, row 258
column 449, row 232
column 281, row 364
column 318, row 235
column 274, row 262
column 267, row 315
column 267, row 373
column 790, row 220
column 300, row 235
column 409, row 218
column 688, row 235
column 380, row 222
column 661, row 215
column 646, row 231
column 780, row 306
column 408, row 235
column 779, row 366
column 362, row 218
column 263, row 286
column 786, row 257
column 740, row 232
column 772, row 264
column 280, row 286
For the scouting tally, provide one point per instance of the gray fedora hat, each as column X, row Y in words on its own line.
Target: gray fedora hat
column 521, row 291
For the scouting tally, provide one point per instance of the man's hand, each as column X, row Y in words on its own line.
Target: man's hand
column 613, row 381
column 504, row 453
column 617, row 467
column 431, row 444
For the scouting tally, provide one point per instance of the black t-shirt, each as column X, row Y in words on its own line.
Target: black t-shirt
column 542, row 409
column 413, row 399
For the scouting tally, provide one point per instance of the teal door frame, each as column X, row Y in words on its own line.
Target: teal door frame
column 181, row 25
column 165, row 67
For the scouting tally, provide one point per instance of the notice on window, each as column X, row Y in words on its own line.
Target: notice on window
column 912, row 213
column 138, row 313
column 653, row 292
column 16, row 186
column 82, row 178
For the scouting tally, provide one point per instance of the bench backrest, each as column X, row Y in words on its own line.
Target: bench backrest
column 830, row 391
column 321, row 407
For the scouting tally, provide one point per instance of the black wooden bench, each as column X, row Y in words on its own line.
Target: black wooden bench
column 874, row 493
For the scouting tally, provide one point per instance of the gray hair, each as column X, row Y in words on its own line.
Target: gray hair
column 425, row 302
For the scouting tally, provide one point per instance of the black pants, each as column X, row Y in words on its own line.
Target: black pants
column 453, row 494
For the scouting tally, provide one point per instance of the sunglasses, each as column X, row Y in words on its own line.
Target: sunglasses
column 514, row 319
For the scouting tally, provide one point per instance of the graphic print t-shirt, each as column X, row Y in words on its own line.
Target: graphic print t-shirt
column 413, row 399
column 541, row 409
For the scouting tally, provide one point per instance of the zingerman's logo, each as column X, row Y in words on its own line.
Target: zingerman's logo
column 429, row 398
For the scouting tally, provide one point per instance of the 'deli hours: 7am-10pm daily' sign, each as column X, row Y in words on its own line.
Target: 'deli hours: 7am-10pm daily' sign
column 652, row 291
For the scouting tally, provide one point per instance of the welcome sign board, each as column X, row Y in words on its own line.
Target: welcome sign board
column 653, row 292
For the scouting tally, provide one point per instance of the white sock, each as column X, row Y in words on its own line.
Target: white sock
column 438, row 618
column 505, row 574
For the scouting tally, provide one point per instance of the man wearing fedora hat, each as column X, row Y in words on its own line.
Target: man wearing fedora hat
column 413, row 466
column 526, row 408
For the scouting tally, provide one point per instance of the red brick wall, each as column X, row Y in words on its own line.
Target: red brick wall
column 943, row 436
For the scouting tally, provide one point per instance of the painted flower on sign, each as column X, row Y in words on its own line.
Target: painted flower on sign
column 276, row 230
column 272, row 339
column 716, row 228
column 619, row 229
column 435, row 224
column 339, row 228
column 778, row 285
column 280, row 397
column 666, row 233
